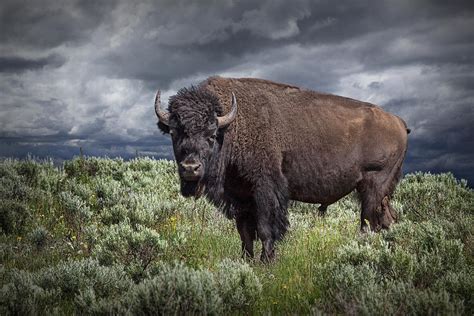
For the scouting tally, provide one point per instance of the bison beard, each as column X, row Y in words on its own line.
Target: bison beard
column 189, row 188
column 284, row 143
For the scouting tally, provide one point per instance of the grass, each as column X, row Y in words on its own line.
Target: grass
column 105, row 236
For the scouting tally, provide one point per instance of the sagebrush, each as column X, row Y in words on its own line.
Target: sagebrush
column 107, row 236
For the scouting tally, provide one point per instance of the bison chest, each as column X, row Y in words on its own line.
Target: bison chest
column 237, row 187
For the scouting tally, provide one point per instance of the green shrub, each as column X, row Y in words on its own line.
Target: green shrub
column 406, row 299
column 76, row 276
column 81, row 167
column 39, row 237
column 108, row 192
column 14, row 216
column 359, row 289
column 143, row 164
column 433, row 252
column 439, row 198
column 177, row 290
column 75, row 208
column 83, row 191
column 86, row 167
column 238, row 285
column 22, row 296
column 413, row 268
column 30, row 170
column 88, row 303
column 12, row 186
column 135, row 248
column 62, row 285
column 95, row 238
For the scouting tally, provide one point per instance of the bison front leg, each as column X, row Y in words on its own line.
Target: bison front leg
column 268, row 241
column 322, row 210
column 247, row 228
column 272, row 220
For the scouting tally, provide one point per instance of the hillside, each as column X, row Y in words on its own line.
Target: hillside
column 107, row 236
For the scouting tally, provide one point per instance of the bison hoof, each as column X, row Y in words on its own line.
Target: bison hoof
column 322, row 210
column 247, row 256
column 267, row 258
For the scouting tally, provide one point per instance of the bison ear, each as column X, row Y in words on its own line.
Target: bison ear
column 165, row 129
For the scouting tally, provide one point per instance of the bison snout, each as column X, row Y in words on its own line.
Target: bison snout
column 191, row 171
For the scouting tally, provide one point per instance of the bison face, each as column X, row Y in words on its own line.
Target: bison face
column 193, row 153
column 197, row 132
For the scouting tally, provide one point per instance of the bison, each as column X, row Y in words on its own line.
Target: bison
column 252, row 145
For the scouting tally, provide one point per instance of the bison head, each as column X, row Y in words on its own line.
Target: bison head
column 196, row 125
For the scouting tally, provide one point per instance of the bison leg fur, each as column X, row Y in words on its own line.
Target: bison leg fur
column 247, row 228
column 264, row 231
column 272, row 220
column 322, row 210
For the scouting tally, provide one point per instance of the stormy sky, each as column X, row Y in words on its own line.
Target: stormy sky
column 83, row 73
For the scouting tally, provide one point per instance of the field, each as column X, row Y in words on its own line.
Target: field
column 105, row 236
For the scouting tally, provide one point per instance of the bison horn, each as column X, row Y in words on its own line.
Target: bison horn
column 163, row 116
column 223, row 121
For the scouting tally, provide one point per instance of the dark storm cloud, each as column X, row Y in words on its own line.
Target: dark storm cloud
column 14, row 64
column 82, row 74
column 46, row 24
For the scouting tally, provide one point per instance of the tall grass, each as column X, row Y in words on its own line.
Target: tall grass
column 105, row 236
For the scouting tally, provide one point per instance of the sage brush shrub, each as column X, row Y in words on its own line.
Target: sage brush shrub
column 76, row 276
column 238, row 285
column 82, row 191
column 22, row 296
column 107, row 191
column 39, row 237
column 135, row 248
column 76, row 210
column 14, row 217
column 177, row 290
column 408, row 269
column 15, row 214
column 438, row 198
column 434, row 252
column 12, row 185
column 105, row 236
column 38, row 292
column 30, row 171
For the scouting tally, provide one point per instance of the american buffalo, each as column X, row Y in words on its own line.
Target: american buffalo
column 251, row 145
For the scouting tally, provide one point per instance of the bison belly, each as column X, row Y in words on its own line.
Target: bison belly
column 316, row 179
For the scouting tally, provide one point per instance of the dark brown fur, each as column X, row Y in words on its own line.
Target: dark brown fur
column 289, row 143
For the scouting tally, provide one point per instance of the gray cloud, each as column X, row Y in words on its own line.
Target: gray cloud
column 15, row 64
column 83, row 73
column 49, row 23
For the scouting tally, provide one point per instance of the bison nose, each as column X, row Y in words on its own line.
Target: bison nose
column 192, row 171
column 191, row 167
